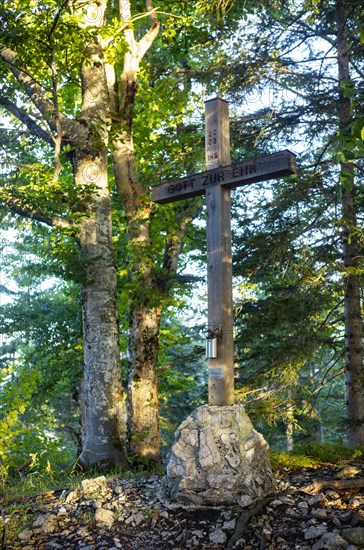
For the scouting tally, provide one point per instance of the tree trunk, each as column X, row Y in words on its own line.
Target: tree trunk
column 289, row 421
column 352, row 303
column 143, row 437
column 320, row 429
column 353, row 326
column 103, row 393
column 142, row 407
column 105, row 410
column 143, row 403
column 146, row 302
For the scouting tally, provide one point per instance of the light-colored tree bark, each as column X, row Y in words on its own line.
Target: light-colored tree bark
column 105, row 124
column 103, row 393
column 104, row 398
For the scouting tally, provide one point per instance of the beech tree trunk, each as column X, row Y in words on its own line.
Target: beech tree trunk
column 143, row 437
column 146, row 302
column 104, row 398
column 87, row 137
column 354, row 359
column 143, row 403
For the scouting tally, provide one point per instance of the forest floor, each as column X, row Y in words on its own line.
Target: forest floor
column 316, row 508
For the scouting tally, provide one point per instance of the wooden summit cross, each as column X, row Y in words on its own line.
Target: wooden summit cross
column 216, row 182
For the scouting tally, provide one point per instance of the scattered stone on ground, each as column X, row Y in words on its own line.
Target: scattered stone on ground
column 130, row 514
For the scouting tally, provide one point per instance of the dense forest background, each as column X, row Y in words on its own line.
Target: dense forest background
column 103, row 294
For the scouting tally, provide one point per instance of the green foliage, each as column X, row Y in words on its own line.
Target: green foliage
column 314, row 455
column 33, row 423
column 287, row 245
column 288, row 312
column 49, row 35
column 293, row 461
column 288, row 255
column 41, row 358
column 334, row 453
column 182, row 373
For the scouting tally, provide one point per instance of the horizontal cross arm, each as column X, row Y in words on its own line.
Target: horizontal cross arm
column 264, row 168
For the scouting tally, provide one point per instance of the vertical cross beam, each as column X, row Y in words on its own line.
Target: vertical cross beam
column 219, row 261
column 220, row 176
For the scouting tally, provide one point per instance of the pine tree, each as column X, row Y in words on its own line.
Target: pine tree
column 313, row 78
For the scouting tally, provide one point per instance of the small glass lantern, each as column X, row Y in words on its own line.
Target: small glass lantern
column 211, row 348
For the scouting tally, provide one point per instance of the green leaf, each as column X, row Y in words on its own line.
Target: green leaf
column 348, row 87
column 346, row 179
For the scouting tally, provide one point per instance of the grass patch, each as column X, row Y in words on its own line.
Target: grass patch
column 291, row 460
column 19, row 488
column 335, row 454
column 314, row 455
column 14, row 520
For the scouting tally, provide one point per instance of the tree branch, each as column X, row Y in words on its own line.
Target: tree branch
column 145, row 43
column 31, row 86
column 151, row 12
column 57, row 17
column 73, row 131
column 24, row 117
column 340, row 484
column 53, row 221
column 139, row 49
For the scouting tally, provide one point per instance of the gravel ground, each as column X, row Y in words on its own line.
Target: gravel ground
column 319, row 508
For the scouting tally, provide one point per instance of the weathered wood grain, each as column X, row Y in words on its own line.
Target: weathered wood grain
column 232, row 176
column 216, row 182
column 219, row 261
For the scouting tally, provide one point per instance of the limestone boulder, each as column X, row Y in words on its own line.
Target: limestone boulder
column 218, row 458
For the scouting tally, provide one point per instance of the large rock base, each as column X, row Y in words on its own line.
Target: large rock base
column 218, row 459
